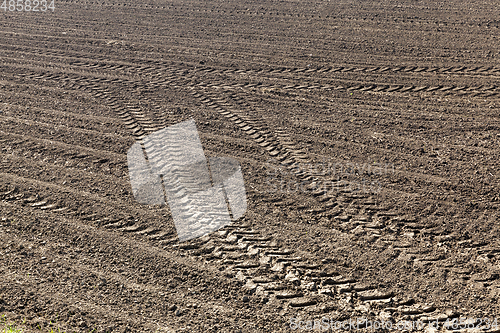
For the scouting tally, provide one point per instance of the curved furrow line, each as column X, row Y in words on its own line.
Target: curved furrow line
column 297, row 159
column 89, row 138
column 138, row 113
column 51, row 150
column 20, row 110
column 258, row 131
column 288, row 294
column 280, row 276
column 341, row 85
column 345, row 207
column 341, row 68
column 253, row 127
column 256, row 128
column 85, row 60
column 122, row 277
column 132, row 118
column 68, row 201
column 257, row 269
column 291, row 278
column 347, row 216
column 243, row 125
column 156, row 43
column 485, row 92
column 349, row 86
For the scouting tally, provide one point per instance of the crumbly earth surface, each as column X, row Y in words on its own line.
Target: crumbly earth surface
column 367, row 133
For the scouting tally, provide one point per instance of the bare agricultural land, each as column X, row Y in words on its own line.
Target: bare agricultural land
column 367, row 133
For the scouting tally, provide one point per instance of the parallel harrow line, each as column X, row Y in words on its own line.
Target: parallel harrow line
column 302, row 302
column 242, row 266
column 244, row 253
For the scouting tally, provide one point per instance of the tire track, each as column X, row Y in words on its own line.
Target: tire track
column 271, row 149
column 478, row 91
column 241, row 92
column 256, row 261
column 280, row 259
column 123, row 277
column 240, row 257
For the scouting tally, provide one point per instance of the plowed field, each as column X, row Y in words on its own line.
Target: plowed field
column 367, row 133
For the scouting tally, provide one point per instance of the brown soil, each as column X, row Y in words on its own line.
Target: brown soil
column 399, row 100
